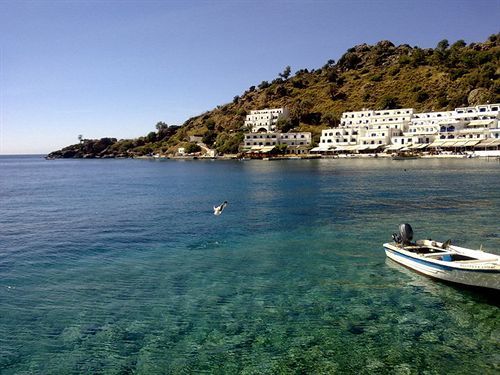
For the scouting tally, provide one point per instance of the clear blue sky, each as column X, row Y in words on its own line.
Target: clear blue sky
column 115, row 68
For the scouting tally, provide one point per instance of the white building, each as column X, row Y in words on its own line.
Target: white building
column 366, row 130
column 384, row 125
column 297, row 143
column 265, row 120
column 404, row 129
column 423, row 129
column 264, row 138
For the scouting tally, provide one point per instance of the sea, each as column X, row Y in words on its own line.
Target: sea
column 120, row 267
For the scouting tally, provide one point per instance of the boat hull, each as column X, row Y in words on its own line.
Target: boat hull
column 484, row 278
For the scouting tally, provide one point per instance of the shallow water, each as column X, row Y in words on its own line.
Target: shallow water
column 119, row 266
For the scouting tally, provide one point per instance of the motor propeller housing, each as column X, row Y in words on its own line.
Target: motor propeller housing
column 404, row 236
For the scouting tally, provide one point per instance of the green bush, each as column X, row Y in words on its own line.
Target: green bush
column 191, row 148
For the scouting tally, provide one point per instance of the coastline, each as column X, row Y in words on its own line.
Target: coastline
column 295, row 157
column 312, row 156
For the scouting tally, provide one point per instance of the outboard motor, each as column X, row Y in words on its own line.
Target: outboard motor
column 405, row 235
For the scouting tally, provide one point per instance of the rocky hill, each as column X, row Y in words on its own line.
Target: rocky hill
column 380, row 76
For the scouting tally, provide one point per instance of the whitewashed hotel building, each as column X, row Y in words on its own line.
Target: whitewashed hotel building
column 297, row 143
column 424, row 129
column 400, row 129
column 353, row 125
column 265, row 120
column 365, row 130
column 264, row 138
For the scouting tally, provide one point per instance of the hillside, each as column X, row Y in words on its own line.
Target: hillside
column 382, row 76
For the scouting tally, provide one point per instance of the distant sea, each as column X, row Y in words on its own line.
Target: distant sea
column 119, row 266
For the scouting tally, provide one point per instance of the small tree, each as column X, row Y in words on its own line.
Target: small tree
column 389, row 102
column 191, row 148
column 80, row 138
column 284, row 124
column 281, row 149
column 458, row 44
column 286, row 72
column 443, row 45
column 161, row 126
column 151, row 137
column 263, row 85
column 330, row 119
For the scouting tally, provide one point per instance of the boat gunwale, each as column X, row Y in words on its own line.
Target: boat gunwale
column 488, row 265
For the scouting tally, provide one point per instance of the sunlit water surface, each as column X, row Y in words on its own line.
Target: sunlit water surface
column 119, row 266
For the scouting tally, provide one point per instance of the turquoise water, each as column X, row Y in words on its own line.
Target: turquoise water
column 119, row 266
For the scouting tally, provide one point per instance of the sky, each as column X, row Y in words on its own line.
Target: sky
column 114, row 68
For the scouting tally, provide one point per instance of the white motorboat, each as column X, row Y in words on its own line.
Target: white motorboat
column 445, row 261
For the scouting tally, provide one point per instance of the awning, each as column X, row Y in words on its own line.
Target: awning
column 267, row 149
column 489, row 143
column 437, row 143
column 346, row 148
column 394, row 147
column 460, row 143
column 480, row 122
column 255, row 148
column 320, row 149
column 419, row 146
column 366, row 147
column 472, row 142
column 449, row 143
column 424, row 145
